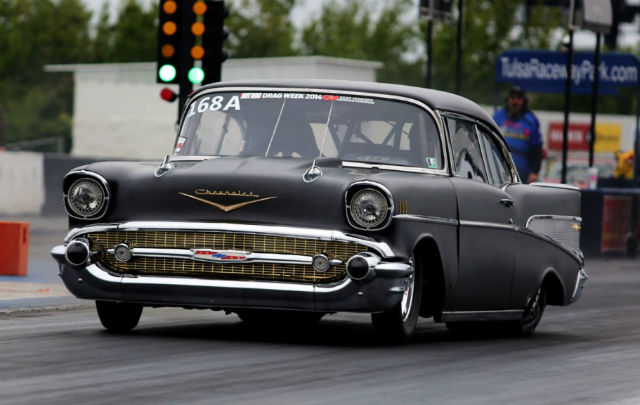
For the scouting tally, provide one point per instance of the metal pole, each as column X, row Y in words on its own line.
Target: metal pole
column 567, row 95
column 429, row 41
column 184, row 48
column 594, row 99
column 459, row 47
column 429, row 50
column 635, row 145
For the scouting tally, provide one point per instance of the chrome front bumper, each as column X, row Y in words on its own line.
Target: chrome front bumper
column 379, row 292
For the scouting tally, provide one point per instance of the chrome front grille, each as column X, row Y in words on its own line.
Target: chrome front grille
column 101, row 242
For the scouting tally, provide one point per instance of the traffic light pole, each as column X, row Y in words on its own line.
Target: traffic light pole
column 594, row 100
column 184, row 64
column 567, row 94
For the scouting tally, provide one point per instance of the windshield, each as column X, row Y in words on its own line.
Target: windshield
column 310, row 125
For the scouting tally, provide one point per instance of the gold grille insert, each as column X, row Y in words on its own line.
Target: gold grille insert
column 101, row 241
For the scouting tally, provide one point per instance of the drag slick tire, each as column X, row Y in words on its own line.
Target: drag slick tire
column 522, row 327
column 532, row 315
column 118, row 316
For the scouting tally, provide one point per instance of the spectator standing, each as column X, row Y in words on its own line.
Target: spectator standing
column 521, row 130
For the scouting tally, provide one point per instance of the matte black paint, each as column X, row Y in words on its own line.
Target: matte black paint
column 489, row 261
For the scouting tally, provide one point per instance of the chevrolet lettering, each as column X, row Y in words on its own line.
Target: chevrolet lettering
column 289, row 200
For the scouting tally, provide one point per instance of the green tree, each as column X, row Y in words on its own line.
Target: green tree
column 35, row 104
column 488, row 29
column 135, row 33
column 102, row 44
column 351, row 30
column 260, row 28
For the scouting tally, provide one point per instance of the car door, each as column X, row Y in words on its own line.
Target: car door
column 485, row 213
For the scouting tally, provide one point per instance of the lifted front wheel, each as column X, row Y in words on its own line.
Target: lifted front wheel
column 118, row 316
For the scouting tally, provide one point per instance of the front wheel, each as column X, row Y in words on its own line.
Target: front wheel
column 397, row 324
column 118, row 316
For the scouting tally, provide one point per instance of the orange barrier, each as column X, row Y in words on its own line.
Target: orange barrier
column 14, row 248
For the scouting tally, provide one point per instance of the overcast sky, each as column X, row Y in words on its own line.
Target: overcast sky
column 629, row 35
column 304, row 8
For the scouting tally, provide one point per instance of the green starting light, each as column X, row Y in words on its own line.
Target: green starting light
column 196, row 75
column 167, row 73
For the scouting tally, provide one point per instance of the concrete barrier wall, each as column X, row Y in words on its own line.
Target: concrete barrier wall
column 21, row 183
column 31, row 183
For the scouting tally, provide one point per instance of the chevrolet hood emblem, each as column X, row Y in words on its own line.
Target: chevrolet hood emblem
column 226, row 208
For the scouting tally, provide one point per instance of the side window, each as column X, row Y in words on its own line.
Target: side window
column 467, row 155
column 499, row 173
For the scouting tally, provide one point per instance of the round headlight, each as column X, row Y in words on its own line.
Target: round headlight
column 369, row 208
column 85, row 197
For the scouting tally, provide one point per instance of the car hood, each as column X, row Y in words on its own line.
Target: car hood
column 253, row 190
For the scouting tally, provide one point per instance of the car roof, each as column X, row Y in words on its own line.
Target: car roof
column 435, row 99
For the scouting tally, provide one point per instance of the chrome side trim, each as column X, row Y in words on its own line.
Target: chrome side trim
column 407, row 169
column 581, row 279
column 105, row 187
column 481, row 224
column 248, row 256
column 193, row 158
column 555, row 185
column 306, row 233
column 424, row 218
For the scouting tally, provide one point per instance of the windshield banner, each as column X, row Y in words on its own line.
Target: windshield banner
column 545, row 71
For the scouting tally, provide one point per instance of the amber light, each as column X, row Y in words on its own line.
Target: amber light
column 197, row 52
column 168, row 50
column 169, row 28
column 169, row 7
column 199, row 7
column 197, row 28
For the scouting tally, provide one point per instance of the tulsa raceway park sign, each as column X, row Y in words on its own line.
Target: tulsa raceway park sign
column 546, row 71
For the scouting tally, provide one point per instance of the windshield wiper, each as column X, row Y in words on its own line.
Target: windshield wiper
column 314, row 171
column 275, row 127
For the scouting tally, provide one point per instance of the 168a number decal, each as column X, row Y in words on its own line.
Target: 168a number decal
column 215, row 103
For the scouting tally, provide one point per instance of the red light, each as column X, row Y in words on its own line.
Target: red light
column 167, row 94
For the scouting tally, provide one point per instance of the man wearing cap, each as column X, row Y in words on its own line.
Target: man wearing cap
column 521, row 130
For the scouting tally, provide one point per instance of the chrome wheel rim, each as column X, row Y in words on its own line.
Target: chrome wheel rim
column 407, row 299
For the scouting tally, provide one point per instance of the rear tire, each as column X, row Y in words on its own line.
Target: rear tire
column 118, row 316
column 397, row 324
column 522, row 327
column 532, row 315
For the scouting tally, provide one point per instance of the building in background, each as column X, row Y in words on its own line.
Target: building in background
column 118, row 112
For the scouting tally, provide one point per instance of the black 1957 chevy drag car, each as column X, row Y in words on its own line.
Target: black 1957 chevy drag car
column 302, row 198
